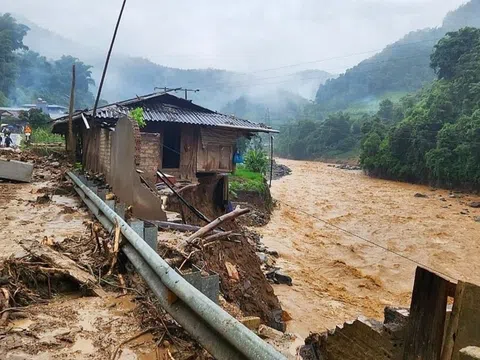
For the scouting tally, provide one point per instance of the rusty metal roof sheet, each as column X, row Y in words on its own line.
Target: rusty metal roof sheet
column 169, row 108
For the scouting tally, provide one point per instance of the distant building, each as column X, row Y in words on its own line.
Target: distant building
column 54, row 111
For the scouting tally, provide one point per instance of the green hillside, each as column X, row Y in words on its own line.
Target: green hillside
column 437, row 140
column 401, row 67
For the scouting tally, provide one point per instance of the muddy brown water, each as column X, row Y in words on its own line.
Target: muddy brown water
column 337, row 276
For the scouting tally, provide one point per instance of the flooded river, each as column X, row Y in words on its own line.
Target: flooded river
column 338, row 276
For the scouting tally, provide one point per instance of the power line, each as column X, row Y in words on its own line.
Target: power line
column 247, row 84
column 367, row 240
column 391, row 46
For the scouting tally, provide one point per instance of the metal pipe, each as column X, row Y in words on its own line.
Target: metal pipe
column 189, row 320
column 233, row 331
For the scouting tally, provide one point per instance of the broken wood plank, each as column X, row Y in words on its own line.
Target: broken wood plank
column 67, row 265
column 468, row 331
column 426, row 323
column 452, row 328
column 174, row 226
column 217, row 222
column 16, row 170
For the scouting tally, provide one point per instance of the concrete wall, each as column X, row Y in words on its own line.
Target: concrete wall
column 150, row 155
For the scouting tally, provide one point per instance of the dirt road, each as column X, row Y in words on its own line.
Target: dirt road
column 337, row 276
column 68, row 326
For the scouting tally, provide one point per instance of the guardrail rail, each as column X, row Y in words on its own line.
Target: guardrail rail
column 218, row 332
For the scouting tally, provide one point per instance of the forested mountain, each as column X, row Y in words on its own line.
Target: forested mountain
column 25, row 75
column 438, row 139
column 273, row 109
column 400, row 68
column 131, row 76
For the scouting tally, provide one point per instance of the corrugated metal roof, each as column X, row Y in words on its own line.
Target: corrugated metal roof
column 169, row 108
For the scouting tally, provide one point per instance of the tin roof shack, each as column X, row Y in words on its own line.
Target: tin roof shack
column 180, row 138
column 189, row 142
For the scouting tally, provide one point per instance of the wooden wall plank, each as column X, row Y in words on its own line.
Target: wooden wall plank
column 188, row 150
column 426, row 324
column 226, row 158
column 468, row 332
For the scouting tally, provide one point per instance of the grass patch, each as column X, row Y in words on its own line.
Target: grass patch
column 245, row 180
column 45, row 136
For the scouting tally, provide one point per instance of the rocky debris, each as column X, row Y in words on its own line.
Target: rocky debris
column 251, row 322
column 279, row 171
column 420, row 195
column 242, row 280
column 477, row 219
column 475, row 204
column 267, row 332
column 43, row 199
column 348, row 167
column 396, row 315
column 278, row 278
column 455, row 195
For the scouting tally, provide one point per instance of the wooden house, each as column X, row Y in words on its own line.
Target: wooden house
column 180, row 138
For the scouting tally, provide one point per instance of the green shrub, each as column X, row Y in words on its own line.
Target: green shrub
column 137, row 115
column 45, row 135
column 256, row 161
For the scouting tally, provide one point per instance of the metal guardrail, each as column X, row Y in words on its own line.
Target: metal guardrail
column 217, row 331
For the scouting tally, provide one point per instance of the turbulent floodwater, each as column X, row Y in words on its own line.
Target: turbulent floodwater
column 338, row 276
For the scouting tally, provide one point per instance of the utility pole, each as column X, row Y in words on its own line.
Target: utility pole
column 108, row 59
column 167, row 90
column 267, row 117
column 71, row 142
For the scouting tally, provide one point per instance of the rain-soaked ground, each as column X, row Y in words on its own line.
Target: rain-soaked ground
column 68, row 326
column 337, row 276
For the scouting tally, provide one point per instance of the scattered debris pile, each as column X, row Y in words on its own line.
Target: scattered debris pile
column 346, row 167
column 279, row 171
column 231, row 255
column 260, row 205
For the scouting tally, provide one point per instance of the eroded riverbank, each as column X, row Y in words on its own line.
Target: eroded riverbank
column 337, row 276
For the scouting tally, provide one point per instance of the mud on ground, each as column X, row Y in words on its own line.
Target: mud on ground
column 252, row 293
column 51, row 318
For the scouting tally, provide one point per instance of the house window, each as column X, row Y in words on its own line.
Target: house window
column 171, row 147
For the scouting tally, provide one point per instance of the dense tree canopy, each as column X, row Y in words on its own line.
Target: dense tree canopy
column 51, row 80
column 308, row 139
column 26, row 75
column 11, row 39
column 437, row 140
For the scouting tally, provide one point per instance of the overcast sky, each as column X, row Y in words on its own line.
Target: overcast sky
column 245, row 35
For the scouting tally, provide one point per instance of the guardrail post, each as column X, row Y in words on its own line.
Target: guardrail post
column 110, row 204
column 120, row 210
column 150, row 236
column 102, row 193
column 137, row 226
